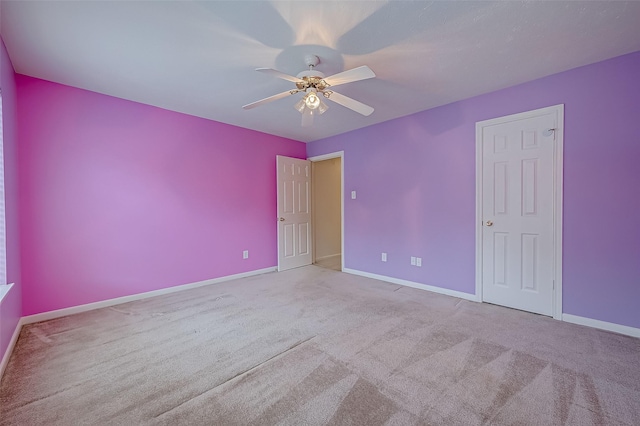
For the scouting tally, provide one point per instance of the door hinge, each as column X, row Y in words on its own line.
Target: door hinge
column 549, row 132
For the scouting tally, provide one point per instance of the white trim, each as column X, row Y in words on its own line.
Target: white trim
column 558, row 170
column 479, row 194
column 558, row 154
column 106, row 303
column 329, row 156
column 44, row 316
column 327, row 257
column 4, row 290
column 602, row 325
column 433, row 289
column 9, row 350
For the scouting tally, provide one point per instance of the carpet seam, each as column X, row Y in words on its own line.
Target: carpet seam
column 243, row 373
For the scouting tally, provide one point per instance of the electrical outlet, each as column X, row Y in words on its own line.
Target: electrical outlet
column 418, row 261
column 245, row 254
column 413, row 260
column 384, row 257
column 353, row 195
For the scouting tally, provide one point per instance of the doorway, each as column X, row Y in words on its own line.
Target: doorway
column 519, row 211
column 327, row 210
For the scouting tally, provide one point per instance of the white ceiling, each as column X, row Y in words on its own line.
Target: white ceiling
column 199, row 57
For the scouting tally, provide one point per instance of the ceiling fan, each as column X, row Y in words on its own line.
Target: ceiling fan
column 316, row 86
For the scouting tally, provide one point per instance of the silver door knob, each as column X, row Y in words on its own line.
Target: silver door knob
column 282, row 219
column 489, row 223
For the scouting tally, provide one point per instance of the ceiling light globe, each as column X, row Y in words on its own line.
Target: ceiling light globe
column 323, row 107
column 299, row 106
column 312, row 100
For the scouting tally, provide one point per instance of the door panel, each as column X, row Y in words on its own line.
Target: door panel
column 500, row 188
column 517, row 238
column 294, row 212
column 529, row 262
column 303, row 239
column 500, row 258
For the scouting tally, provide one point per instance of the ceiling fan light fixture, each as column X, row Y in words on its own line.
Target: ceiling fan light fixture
column 314, row 86
column 299, row 106
column 307, row 117
column 322, row 107
column 312, row 100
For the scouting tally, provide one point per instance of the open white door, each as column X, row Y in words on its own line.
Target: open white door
column 519, row 174
column 294, row 212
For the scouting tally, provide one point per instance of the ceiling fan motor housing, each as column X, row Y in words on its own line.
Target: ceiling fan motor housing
column 309, row 74
column 311, row 79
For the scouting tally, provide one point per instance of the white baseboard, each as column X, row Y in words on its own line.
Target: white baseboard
column 9, row 351
column 106, row 303
column 574, row 319
column 602, row 325
column 118, row 300
column 327, row 257
column 454, row 293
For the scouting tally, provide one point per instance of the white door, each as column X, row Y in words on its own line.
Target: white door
column 294, row 212
column 518, row 169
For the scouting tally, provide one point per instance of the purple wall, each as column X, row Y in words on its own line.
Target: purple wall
column 415, row 178
column 10, row 309
column 119, row 198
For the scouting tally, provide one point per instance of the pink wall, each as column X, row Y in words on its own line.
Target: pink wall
column 10, row 309
column 415, row 178
column 119, row 198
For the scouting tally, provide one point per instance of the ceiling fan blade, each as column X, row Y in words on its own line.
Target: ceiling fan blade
column 278, row 74
column 270, row 99
column 346, row 101
column 307, row 117
column 355, row 74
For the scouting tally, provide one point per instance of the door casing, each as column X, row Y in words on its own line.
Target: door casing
column 558, row 110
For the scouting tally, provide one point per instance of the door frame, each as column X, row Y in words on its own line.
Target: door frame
column 329, row 156
column 558, row 110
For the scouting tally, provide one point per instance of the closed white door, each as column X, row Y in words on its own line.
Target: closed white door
column 518, row 189
column 294, row 212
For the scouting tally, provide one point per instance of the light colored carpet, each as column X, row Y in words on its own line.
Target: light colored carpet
column 332, row 262
column 312, row 346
